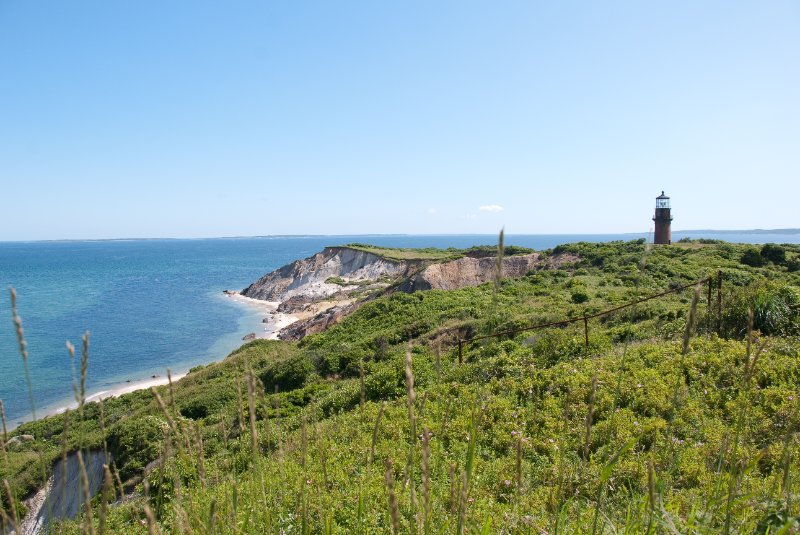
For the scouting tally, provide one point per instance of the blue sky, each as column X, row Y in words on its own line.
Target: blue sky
column 192, row 119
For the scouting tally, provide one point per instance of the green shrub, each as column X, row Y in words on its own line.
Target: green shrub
column 554, row 345
column 774, row 253
column 776, row 310
column 753, row 258
column 135, row 442
column 386, row 380
column 579, row 296
column 343, row 398
column 287, row 374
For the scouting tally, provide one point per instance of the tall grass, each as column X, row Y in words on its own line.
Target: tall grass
column 394, row 509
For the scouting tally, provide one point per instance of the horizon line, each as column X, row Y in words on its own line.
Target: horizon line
column 778, row 231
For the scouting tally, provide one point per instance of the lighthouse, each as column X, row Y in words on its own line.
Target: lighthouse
column 663, row 219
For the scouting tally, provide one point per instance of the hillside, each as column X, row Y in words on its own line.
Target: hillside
column 670, row 416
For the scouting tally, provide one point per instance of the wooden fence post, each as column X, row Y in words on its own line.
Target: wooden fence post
column 460, row 351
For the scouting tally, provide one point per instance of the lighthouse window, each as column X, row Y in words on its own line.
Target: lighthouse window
column 662, row 203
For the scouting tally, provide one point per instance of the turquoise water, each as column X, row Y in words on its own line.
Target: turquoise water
column 156, row 304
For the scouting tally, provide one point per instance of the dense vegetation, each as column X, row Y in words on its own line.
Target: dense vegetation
column 390, row 253
column 432, row 254
column 676, row 417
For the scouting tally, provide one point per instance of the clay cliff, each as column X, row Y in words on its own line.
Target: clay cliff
column 325, row 287
column 335, row 270
column 469, row 271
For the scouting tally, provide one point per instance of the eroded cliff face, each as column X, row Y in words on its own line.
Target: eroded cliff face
column 307, row 279
column 303, row 286
column 469, row 272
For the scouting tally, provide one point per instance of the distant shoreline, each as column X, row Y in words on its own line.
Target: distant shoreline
column 777, row 232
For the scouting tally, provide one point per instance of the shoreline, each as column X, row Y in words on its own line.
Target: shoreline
column 113, row 390
column 269, row 331
column 133, row 386
column 277, row 320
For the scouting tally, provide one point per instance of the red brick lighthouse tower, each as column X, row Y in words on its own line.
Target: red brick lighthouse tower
column 663, row 219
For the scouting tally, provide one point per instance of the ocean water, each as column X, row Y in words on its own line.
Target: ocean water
column 156, row 304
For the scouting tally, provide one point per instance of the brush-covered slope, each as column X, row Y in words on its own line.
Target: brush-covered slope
column 373, row 423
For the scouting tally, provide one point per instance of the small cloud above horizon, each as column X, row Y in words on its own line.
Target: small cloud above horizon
column 491, row 208
column 433, row 211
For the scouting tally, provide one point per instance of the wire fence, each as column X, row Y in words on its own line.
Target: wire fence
column 710, row 281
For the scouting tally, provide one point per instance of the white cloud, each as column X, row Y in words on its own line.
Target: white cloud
column 491, row 208
column 432, row 210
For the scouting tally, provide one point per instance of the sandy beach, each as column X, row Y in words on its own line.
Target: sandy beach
column 112, row 391
column 133, row 386
column 277, row 320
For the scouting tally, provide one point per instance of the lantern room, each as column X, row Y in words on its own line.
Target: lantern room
column 662, row 201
